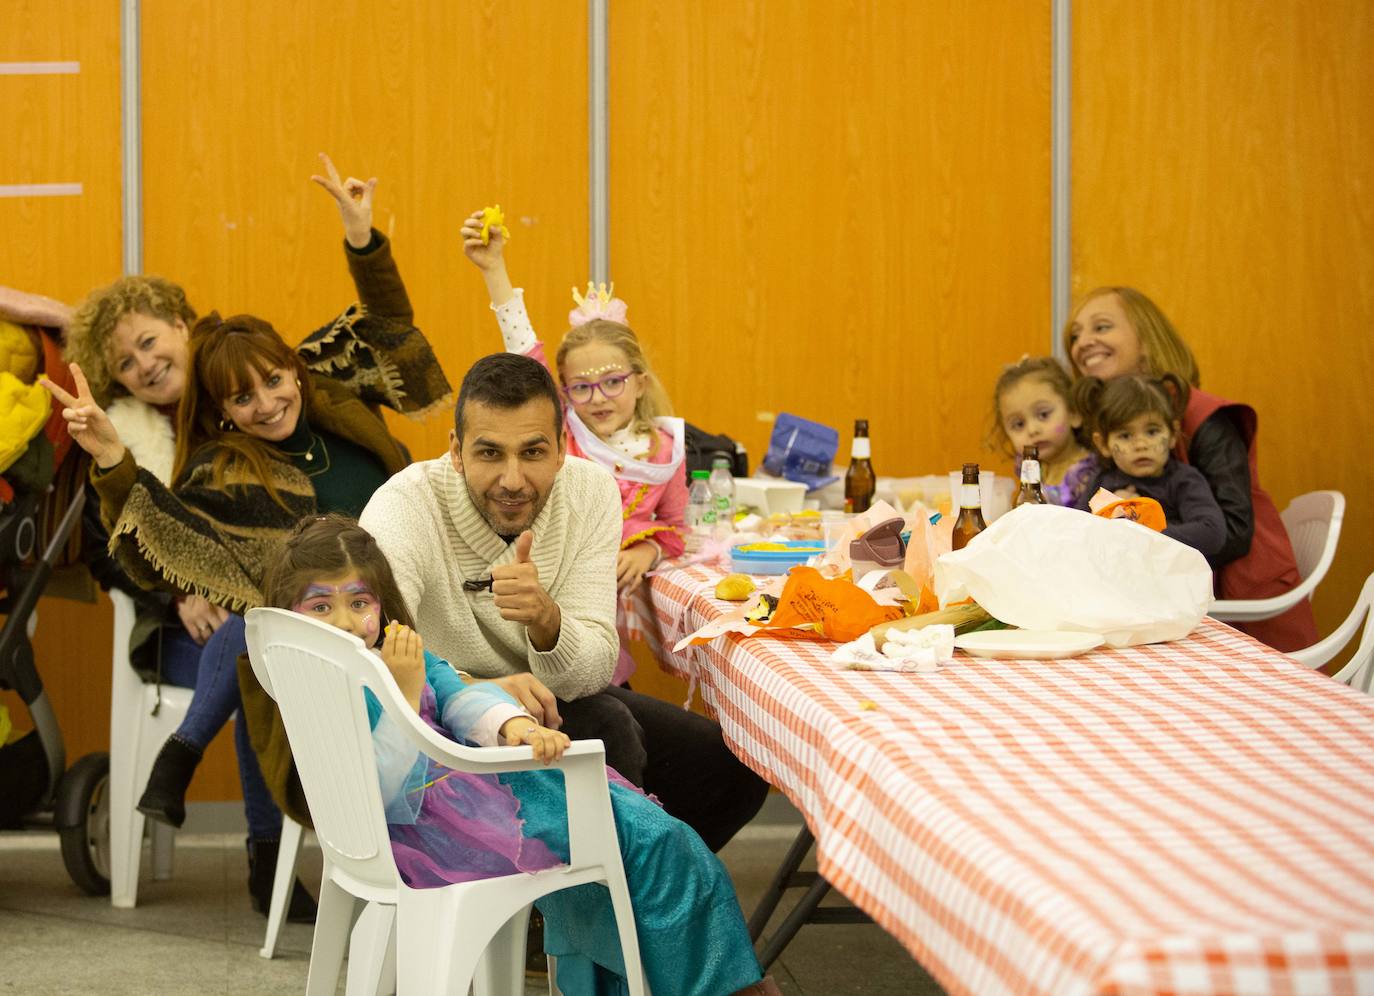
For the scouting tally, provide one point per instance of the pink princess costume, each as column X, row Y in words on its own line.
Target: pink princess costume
column 448, row 826
column 646, row 465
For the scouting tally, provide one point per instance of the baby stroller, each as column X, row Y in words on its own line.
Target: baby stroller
column 41, row 499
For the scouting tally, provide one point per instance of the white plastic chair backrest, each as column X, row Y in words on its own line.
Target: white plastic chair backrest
column 315, row 673
column 1313, row 524
column 125, row 614
column 1357, row 671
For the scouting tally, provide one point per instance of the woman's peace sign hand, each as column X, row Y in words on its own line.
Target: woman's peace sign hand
column 87, row 421
column 354, row 198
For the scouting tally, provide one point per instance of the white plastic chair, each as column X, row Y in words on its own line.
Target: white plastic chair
column 1313, row 524
column 136, row 737
column 1357, row 670
column 445, row 939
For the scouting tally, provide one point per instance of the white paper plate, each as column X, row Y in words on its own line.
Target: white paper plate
column 1033, row 644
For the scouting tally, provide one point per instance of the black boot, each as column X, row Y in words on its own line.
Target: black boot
column 165, row 797
column 262, row 869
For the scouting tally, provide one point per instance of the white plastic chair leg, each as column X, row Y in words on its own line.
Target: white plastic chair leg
column 283, row 883
column 164, row 849
column 372, row 952
column 332, row 924
column 553, row 976
column 126, row 849
column 502, row 966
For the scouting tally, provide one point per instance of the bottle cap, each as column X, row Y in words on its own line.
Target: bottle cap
column 721, row 461
column 1030, row 453
column 700, row 475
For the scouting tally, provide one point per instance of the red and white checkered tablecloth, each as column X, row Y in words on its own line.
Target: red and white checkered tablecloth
column 1191, row 817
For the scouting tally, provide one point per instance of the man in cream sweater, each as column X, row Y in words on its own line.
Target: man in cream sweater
column 505, row 551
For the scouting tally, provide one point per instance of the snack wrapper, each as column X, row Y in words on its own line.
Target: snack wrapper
column 809, row 604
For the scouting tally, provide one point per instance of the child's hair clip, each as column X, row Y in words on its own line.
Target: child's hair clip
column 599, row 302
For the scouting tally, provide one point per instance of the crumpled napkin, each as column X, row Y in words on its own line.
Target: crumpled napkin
column 911, row 651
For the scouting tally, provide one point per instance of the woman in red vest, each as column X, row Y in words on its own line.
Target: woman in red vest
column 1116, row 331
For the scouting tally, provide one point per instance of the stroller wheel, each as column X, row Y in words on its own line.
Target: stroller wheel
column 83, row 823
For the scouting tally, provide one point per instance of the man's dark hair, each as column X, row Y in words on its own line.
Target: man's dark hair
column 507, row 380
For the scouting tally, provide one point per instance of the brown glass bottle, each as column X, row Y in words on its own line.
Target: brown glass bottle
column 970, row 522
column 1031, row 493
column 859, row 480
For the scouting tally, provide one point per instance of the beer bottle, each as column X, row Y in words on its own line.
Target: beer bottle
column 1031, row 492
column 970, row 522
column 859, row 479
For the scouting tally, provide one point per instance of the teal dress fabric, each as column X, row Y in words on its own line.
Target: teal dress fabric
column 692, row 937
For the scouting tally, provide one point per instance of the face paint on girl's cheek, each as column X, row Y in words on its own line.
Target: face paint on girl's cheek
column 370, row 626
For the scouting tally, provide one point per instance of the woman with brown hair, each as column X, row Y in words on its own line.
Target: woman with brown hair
column 1118, row 332
column 264, row 435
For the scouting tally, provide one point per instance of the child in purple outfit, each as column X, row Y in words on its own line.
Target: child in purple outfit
column 1031, row 406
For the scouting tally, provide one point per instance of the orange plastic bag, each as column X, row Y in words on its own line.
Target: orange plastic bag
column 836, row 609
column 1146, row 511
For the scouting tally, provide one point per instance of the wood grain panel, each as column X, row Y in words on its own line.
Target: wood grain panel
column 64, row 128
column 229, row 145
column 835, row 209
column 1221, row 163
column 452, row 106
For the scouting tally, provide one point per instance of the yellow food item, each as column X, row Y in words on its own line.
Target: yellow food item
column 493, row 218
column 735, row 587
column 766, row 547
column 961, row 617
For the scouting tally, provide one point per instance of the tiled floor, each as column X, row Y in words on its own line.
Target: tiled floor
column 196, row 932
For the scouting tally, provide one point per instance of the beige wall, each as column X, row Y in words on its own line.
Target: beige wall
column 840, row 210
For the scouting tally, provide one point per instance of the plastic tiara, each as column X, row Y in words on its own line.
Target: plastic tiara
column 599, row 302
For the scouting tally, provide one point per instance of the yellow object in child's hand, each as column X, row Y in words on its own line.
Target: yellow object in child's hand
column 493, row 218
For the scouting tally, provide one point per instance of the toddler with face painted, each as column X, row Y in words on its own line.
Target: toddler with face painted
column 1133, row 423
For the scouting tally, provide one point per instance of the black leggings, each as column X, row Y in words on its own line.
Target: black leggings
column 674, row 754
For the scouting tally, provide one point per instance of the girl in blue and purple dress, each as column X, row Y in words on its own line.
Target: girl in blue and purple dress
column 1032, row 406
column 448, row 826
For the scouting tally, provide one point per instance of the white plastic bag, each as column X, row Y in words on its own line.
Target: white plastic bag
column 1051, row 568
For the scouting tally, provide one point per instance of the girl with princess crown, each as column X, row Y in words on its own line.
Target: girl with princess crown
column 616, row 410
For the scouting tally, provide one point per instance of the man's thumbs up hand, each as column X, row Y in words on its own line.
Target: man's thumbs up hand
column 521, row 598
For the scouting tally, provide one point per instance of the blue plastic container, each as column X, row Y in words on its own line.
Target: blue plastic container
column 774, row 561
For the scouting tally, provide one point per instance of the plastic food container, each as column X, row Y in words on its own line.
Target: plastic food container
column 770, row 495
column 773, row 561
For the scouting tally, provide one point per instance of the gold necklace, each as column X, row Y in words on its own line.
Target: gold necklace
column 309, row 455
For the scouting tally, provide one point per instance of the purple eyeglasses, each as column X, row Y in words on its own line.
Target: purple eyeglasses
column 610, row 387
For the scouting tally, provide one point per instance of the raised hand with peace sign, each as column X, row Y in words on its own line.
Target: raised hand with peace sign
column 87, row 422
column 354, row 198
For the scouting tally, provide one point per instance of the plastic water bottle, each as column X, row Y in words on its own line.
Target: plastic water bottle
column 722, row 485
column 700, row 517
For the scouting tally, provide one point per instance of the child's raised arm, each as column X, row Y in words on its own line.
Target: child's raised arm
column 488, row 256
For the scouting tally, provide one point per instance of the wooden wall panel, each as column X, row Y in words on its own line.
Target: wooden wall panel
column 451, row 106
column 64, row 128
column 1221, row 163
column 835, row 209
